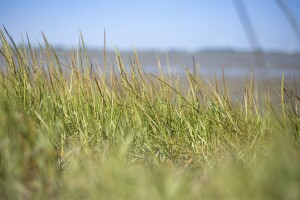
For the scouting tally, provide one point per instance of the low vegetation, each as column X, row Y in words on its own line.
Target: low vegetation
column 78, row 131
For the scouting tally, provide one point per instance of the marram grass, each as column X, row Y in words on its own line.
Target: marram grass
column 77, row 131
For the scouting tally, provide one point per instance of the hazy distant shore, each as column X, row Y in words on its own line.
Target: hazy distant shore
column 266, row 68
column 208, row 61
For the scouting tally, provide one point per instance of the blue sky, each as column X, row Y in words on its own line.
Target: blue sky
column 151, row 24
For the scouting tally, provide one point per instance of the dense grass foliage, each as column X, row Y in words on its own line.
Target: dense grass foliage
column 74, row 131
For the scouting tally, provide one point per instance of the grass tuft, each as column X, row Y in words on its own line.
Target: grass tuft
column 74, row 130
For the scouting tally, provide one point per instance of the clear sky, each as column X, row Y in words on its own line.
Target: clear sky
column 151, row 24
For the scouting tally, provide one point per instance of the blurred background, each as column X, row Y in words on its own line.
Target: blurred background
column 188, row 25
column 240, row 36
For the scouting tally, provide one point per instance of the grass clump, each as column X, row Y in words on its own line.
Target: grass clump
column 74, row 130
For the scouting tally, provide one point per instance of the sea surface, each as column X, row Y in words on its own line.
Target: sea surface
column 234, row 64
column 267, row 69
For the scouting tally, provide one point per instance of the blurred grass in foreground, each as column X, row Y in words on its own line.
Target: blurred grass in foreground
column 74, row 131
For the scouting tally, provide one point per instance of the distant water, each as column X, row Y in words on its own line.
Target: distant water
column 208, row 64
column 234, row 64
column 267, row 69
